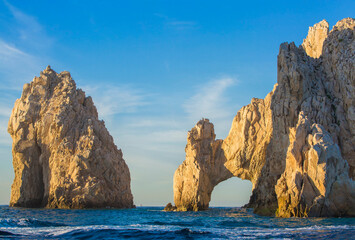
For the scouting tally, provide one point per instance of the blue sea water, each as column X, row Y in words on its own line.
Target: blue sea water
column 153, row 223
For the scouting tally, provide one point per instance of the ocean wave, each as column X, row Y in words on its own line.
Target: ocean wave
column 142, row 231
column 131, row 233
column 145, row 224
column 5, row 233
column 187, row 231
column 176, row 223
column 107, row 232
column 311, row 232
column 330, row 227
column 27, row 222
column 241, row 224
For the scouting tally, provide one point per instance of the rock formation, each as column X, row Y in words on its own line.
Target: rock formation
column 316, row 180
column 313, row 44
column 63, row 155
column 296, row 146
column 169, row 207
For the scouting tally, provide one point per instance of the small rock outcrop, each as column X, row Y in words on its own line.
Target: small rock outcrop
column 169, row 207
column 296, row 146
column 63, row 155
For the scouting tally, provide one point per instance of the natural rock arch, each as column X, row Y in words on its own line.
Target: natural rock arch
column 296, row 146
column 209, row 161
column 232, row 192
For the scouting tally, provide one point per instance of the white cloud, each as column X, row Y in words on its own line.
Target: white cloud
column 149, row 122
column 169, row 136
column 16, row 66
column 170, row 141
column 20, row 57
column 111, row 100
column 209, row 101
column 12, row 57
column 9, row 51
column 29, row 29
column 176, row 24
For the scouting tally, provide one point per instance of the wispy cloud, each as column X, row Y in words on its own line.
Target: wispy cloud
column 111, row 100
column 29, row 29
column 169, row 136
column 159, row 141
column 6, row 50
column 176, row 24
column 16, row 66
column 11, row 56
column 20, row 57
column 209, row 101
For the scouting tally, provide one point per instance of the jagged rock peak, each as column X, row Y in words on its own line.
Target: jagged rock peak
column 63, row 155
column 313, row 44
column 346, row 23
column 203, row 130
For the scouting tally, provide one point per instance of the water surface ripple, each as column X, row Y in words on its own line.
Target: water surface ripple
column 153, row 223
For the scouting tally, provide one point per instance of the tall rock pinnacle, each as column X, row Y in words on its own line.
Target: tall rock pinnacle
column 63, row 155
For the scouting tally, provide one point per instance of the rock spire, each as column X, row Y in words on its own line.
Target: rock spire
column 63, row 155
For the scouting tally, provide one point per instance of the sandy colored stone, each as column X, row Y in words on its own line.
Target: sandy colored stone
column 63, row 155
column 316, row 180
column 169, row 207
column 313, row 44
column 270, row 139
column 200, row 172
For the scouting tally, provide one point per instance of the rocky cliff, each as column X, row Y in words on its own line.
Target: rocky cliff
column 296, row 146
column 63, row 155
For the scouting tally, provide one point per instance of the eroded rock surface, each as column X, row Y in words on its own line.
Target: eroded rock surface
column 313, row 44
column 201, row 171
column 296, row 146
column 316, row 180
column 63, row 155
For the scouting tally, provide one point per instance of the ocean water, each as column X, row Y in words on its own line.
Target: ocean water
column 153, row 223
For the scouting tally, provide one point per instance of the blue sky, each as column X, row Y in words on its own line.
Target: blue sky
column 154, row 68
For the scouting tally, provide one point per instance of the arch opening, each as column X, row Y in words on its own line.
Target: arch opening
column 233, row 192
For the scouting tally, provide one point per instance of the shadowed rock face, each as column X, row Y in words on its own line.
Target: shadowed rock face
column 63, row 156
column 296, row 146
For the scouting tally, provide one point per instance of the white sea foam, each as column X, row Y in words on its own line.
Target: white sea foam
column 17, row 221
column 244, row 232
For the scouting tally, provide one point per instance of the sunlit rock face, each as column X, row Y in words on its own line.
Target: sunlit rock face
column 201, row 171
column 63, row 155
column 296, row 146
column 313, row 44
